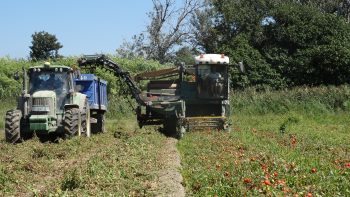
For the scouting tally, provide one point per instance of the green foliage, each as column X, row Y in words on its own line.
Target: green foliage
column 5, row 178
column 257, row 73
column 71, row 180
column 9, row 87
column 282, row 43
column 185, row 55
column 44, row 46
column 307, row 46
column 311, row 101
column 287, row 123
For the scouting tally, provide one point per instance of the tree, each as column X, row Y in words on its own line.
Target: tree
column 167, row 31
column 133, row 49
column 308, row 46
column 168, row 27
column 185, row 55
column 44, row 46
column 235, row 28
column 294, row 42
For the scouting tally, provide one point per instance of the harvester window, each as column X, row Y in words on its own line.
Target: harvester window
column 203, row 71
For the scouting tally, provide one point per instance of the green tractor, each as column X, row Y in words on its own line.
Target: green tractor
column 49, row 104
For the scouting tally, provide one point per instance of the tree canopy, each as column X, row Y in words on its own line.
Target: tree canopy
column 44, row 46
column 282, row 43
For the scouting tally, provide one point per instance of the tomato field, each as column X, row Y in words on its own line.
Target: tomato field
column 283, row 143
column 311, row 156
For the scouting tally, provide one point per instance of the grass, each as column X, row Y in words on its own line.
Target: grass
column 282, row 144
column 124, row 162
column 311, row 156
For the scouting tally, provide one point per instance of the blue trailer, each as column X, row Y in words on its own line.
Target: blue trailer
column 96, row 91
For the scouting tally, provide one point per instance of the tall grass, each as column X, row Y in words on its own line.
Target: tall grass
column 327, row 99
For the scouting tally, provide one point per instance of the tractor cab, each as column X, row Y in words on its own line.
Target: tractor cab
column 50, row 83
column 212, row 76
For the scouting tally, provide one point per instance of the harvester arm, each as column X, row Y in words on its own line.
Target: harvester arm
column 105, row 62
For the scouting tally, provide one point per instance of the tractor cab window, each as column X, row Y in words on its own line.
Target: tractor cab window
column 49, row 80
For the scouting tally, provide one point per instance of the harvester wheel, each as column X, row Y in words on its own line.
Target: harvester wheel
column 174, row 128
column 71, row 122
column 180, row 131
column 13, row 126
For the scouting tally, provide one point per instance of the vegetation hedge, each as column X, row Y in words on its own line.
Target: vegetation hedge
column 250, row 101
column 310, row 100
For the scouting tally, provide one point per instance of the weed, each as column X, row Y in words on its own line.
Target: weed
column 72, row 180
column 290, row 120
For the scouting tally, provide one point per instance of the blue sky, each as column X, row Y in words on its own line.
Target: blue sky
column 82, row 26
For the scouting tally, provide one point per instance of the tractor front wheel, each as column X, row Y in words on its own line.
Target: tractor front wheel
column 13, row 126
column 71, row 122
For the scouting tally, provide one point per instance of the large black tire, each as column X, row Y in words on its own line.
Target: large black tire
column 13, row 126
column 99, row 126
column 71, row 122
column 173, row 128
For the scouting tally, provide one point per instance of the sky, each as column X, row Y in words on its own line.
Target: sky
column 81, row 26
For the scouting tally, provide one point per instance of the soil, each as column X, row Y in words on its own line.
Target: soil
column 169, row 177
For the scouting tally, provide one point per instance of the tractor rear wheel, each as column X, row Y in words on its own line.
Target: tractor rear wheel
column 13, row 126
column 71, row 122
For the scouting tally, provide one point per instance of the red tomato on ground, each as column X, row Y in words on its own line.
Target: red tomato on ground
column 247, row 180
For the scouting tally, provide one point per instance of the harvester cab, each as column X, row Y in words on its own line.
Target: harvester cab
column 212, row 76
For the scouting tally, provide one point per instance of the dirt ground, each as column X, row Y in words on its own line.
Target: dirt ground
column 169, row 178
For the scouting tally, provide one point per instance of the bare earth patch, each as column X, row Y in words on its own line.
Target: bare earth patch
column 169, row 177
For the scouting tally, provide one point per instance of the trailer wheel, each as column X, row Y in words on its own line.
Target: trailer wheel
column 13, row 126
column 85, row 121
column 71, row 122
column 99, row 126
column 101, row 123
